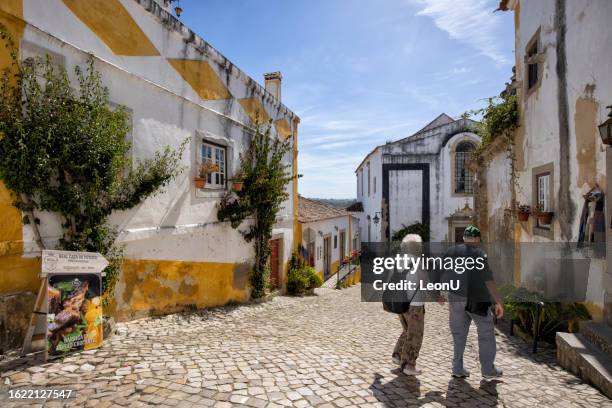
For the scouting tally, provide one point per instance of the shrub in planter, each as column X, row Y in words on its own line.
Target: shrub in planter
column 521, row 306
column 301, row 278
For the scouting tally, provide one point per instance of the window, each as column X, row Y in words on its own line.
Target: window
column 215, row 154
column 335, row 241
column 543, row 194
column 542, row 197
column 361, row 178
column 463, row 176
column 374, row 184
column 532, row 62
column 368, row 165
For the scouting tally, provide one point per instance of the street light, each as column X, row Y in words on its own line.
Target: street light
column 605, row 129
column 376, row 218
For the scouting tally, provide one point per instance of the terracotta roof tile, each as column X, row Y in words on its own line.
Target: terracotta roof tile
column 312, row 210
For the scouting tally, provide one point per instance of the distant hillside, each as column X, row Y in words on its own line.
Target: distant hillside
column 341, row 203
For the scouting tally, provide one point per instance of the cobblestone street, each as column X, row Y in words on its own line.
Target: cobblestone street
column 329, row 350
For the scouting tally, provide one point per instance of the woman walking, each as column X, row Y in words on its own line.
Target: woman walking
column 409, row 342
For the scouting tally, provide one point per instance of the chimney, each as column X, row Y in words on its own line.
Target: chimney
column 273, row 84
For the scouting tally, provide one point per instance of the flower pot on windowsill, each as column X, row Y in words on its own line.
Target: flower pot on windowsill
column 200, row 182
column 523, row 216
column 237, row 185
column 545, row 218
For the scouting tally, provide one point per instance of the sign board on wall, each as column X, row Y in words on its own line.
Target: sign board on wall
column 72, row 262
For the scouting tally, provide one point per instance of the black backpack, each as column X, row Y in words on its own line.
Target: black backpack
column 397, row 301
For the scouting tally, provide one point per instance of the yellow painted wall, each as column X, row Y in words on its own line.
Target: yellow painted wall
column 202, row 78
column 17, row 273
column 150, row 287
column 255, row 110
column 114, row 25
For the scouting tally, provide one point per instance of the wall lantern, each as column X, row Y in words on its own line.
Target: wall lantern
column 376, row 218
column 336, row 227
column 178, row 10
column 605, row 129
column 320, row 233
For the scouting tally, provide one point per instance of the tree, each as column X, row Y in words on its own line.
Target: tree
column 266, row 177
column 65, row 151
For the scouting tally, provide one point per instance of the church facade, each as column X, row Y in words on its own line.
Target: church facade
column 422, row 179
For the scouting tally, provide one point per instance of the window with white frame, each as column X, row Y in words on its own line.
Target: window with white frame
column 216, row 154
column 543, row 194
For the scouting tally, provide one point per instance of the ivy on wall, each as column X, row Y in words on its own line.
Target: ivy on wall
column 265, row 176
column 64, row 150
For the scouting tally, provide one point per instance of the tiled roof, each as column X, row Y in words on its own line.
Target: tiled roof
column 312, row 210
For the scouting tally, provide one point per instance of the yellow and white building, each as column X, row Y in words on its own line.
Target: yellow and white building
column 176, row 86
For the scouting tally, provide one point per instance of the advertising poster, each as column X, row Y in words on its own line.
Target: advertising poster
column 74, row 319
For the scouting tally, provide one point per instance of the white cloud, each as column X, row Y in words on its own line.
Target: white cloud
column 469, row 21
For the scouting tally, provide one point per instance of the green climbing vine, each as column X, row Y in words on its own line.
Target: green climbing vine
column 64, row 150
column 498, row 120
column 265, row 176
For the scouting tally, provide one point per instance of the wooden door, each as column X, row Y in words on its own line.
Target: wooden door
column 459, row 234
column 327, row 256
column 342, row 245
column 275, row 263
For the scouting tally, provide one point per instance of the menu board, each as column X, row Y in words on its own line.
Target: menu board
column 74, row 317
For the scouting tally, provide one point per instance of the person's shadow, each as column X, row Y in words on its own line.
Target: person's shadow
column 406, row 390
column 459, row 390
column 397, row 392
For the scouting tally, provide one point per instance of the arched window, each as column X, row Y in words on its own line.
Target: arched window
column 463, row 176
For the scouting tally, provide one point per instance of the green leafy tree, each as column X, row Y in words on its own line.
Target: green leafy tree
column 64, row 150
column 266, row 177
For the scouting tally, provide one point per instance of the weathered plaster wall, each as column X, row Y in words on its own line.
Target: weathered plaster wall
column 559, row 118
column 176, row 86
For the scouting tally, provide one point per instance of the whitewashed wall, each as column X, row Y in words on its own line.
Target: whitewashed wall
column 178, row 223
column 328, row 227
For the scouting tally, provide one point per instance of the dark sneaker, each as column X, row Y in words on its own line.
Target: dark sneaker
column 463, row 374
column 497, row 373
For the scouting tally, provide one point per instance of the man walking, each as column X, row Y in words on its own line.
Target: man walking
column 473, row 303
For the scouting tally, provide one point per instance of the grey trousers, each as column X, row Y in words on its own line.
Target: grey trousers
column 460, row 321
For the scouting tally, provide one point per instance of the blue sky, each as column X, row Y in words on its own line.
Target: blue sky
column 361, row 72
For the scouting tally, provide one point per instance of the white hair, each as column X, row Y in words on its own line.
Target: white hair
column 412, row 244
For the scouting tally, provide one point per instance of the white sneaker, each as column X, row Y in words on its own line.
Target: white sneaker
column 497, row 373
column 412, row 371
column 395, row 360
column 464, row 374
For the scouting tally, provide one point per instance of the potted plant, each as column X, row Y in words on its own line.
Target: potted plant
column 203, row 171
column 237, row 182
column 544, row 217
column 524, row 211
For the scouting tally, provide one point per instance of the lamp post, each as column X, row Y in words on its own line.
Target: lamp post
column 605, row 129
column 376, row 217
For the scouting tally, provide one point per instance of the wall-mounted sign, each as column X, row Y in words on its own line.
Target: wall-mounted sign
column 72, row 262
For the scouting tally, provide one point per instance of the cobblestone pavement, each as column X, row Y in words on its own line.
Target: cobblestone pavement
column 329, row 350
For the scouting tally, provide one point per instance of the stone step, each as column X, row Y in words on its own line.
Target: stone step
column 598, row 334
column 577, row 355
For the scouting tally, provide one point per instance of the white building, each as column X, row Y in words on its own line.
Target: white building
column 423, row 178
column 328, row 235
column 176, row 86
